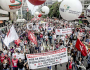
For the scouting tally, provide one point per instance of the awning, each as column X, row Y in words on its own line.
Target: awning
column 21, row 20
column 1, row 21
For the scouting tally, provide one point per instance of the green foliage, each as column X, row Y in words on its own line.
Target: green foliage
column 54, row 10
column 28, row 16
column 44, row 16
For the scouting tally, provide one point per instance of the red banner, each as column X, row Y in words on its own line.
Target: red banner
column 17, row 41
column 32, row 38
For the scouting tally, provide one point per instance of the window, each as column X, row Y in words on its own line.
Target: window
column 4, row 15
column 19, row 13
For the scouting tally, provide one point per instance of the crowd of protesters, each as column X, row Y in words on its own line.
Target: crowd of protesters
column 14, row 57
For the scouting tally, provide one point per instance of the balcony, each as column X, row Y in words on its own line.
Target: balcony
column 3, row 11
column 4, row 18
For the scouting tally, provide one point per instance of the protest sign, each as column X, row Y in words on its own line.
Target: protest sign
column 49, row 29
column 46, row 59
column 30, row 26
column 63, row 31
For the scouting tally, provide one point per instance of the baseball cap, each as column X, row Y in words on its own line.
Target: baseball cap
column 14, row 55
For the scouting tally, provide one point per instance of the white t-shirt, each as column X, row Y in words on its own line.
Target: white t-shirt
column 46, row 37
column 9, row 54
column 42, row 48
column 21, row 55
column 18, row 56
column 14, row 54
column 63, row 38
column 54, row 36
column 19, row 49
column 5, row 51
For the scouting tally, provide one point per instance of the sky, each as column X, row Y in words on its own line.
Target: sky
column 59, row 0
column 34, row 8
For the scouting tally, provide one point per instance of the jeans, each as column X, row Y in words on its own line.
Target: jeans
column 21, row 47
column 76, row 68
column 55, row 67
column 4, row 69
column 50, row 41
column 88, row 67
column 20, row 69
column 49, row 67
column 42, row 39
column 25, row 60
column 15, row 68
column 46, row 42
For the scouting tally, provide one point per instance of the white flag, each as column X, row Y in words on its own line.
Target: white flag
column 11, row 36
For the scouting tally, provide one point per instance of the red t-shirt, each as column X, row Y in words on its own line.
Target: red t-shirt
column 39, row 27
column 41, row 36
column 89, row 32
column 81, row 30
column 14, row 62
column 25, row 42
column 2, row 59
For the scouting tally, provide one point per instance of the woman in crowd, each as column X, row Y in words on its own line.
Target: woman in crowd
column 26, row 66
column 79, row 63
column 70, row 64
column 20, row 64
column 46, row 39
column 60, row 41
column 5, row 64
column 12, row 50
column 50, row 39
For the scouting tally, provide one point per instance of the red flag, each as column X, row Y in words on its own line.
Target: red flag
column 81, row 47
column 17, row 41
column 32, row 38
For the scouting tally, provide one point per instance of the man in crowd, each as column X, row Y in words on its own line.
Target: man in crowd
column 60, row 41
column 14, row 63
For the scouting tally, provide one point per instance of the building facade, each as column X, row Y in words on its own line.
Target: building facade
column 23, row 10
column 47, row 3
column 85, row 4
column 4, row 16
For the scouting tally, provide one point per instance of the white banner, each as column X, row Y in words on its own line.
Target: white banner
column 30, row 26
column 49, row 29
column 51, row 58
column 63, row 31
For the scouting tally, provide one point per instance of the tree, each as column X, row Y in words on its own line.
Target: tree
column 28, row 16
column 54, row 10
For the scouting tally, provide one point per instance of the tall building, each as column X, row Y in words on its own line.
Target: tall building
column 53, row 1
column 85, row 4
column 23, row 10
column 49, row 2
column 4, row 16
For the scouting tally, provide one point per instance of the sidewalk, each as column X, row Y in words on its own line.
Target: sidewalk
column 0, row 44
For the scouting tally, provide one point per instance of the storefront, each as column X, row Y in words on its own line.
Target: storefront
column 4, row 17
